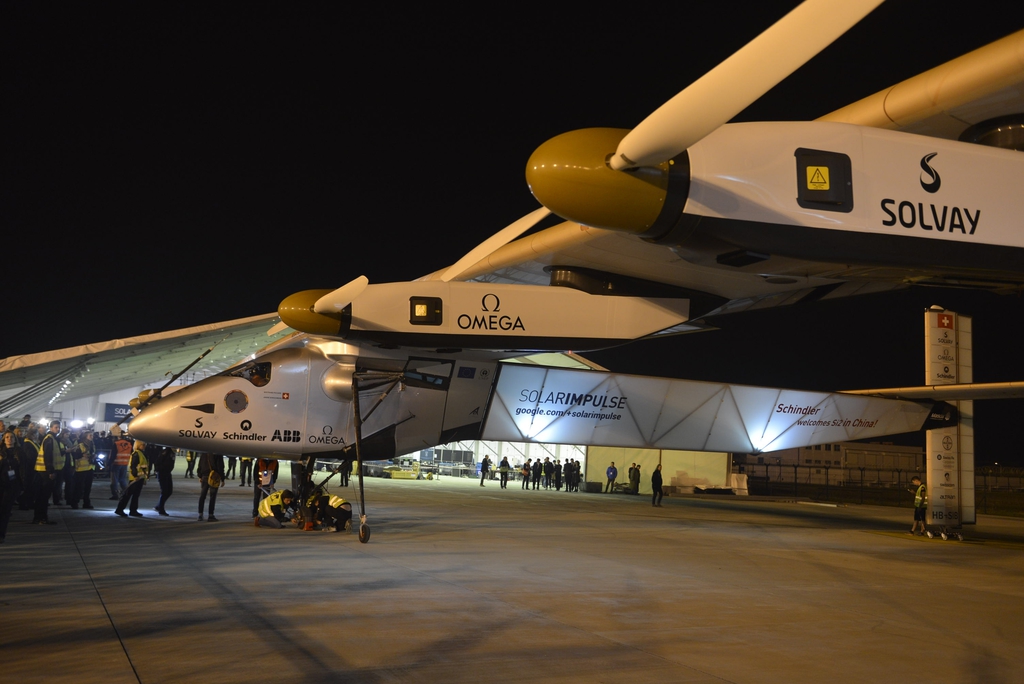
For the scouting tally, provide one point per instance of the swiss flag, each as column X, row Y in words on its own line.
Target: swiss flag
column 946, row 321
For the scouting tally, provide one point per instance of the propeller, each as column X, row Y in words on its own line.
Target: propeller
column 495, row 242
column 334, row 302
column 278, row 327
column 730, row 87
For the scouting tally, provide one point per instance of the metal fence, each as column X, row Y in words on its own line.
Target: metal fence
column 998, row 491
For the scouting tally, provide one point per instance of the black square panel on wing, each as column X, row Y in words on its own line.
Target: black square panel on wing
column 824, row 180
column 426, row 311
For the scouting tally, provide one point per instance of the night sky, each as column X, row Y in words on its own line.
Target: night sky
column 174, row 165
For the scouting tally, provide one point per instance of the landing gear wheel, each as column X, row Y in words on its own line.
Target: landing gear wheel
column 944, row 536
column 364, row 533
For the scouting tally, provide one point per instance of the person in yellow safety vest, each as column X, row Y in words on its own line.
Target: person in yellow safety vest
column 334, row 510
column 85, row 460
column 191, row 461
column 138, row 473
column 920, row 504
column 272, row 509
column 119, row 466
column 51, row 452
column 30, row 452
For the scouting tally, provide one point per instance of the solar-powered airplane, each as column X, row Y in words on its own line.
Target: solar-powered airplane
column 682, row 219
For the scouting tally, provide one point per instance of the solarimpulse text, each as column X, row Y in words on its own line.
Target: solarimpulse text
column 577, row 404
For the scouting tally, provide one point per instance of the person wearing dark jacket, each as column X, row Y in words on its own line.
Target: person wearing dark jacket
column 29, row 453
column 503, row 469
column 210, row 463
column 656, row 486
column 10, row 478
column 51, row 451
column 163, row 461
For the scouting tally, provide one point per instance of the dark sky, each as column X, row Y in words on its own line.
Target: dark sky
column 178, row 164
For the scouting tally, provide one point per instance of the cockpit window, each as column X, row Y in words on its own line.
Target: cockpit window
column 255, row 372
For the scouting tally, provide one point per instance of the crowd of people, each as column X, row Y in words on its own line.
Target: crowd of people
column 51, row 465
column 554, row 474
column 546, row 474
column 43, row 466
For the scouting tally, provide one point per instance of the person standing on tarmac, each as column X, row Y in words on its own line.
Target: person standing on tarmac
column 119, row 461
column 656, row 486
column 920, row 505
column 485, row 468
column 503, row 469
column 85, row 462
column 211, row 477
column 163, row 462
column 264, row 478
column 138, row 473
column 611, row 473
column 60, row 463
column 29, row 453
column 246, row 476
column 10, row 478
column 50, row 450
column 191, row 459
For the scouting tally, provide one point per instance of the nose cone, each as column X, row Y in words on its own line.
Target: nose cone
column 154, row 424
column 297, row 312
column 569, row 175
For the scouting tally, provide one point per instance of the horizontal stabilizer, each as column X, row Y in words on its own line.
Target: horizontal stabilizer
column 961, row 392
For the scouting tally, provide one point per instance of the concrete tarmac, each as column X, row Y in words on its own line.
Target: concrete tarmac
column 462, row 583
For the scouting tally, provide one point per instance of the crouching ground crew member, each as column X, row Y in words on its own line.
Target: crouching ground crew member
column 138, row 473
column 333, row 510
column 272, row 509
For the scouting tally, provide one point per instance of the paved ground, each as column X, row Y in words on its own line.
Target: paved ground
column 467, row 584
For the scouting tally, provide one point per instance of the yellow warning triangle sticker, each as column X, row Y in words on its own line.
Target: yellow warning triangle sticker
column 817, row 178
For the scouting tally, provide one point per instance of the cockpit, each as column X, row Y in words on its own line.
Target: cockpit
column 256, row 372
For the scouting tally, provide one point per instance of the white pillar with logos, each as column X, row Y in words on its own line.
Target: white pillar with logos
column 949, row 452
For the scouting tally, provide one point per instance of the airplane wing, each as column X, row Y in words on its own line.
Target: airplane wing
column 33, row 381
column 946, row 102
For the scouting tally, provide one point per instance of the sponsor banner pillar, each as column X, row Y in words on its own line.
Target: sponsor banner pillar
column 949, row 452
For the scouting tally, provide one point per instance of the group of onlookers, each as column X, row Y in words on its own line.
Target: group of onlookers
column 44, row 464
column 551, row 474
column 53, row 465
